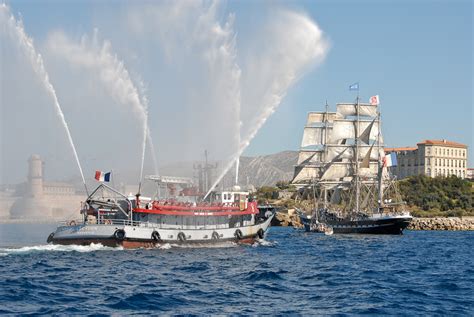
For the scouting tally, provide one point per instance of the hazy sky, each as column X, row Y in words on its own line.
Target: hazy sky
column 191, row 59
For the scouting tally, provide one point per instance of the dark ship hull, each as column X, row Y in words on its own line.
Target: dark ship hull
column 386, row 225
column 371, row 225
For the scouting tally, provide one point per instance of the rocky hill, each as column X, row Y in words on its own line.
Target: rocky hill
column 268, row 169
column 258, row 171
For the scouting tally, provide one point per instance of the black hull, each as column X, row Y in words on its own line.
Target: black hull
column 394, row 225
column 386, row 225
column 142, row 243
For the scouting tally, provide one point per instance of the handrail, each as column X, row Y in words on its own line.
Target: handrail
column 127, row 222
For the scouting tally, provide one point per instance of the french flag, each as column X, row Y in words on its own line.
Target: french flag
column 390, row 160
column 102, row 177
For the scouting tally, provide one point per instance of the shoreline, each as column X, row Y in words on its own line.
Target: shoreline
column 443, row 224
column 285, row 219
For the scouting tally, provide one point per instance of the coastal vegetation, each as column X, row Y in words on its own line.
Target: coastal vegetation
column 424, row 196
column 439, row 196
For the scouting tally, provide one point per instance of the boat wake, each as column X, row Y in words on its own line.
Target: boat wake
column 54, row 247
column 264, row 243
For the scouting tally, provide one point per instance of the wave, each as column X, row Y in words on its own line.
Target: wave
column 56, row 247
column 264, row 243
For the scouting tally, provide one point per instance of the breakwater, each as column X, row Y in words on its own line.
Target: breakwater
column 452, row 223
column 286, row 218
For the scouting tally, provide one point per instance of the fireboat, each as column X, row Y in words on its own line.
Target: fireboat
column 112, row 218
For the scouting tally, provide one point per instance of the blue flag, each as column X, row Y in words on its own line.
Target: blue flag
column 354, row 86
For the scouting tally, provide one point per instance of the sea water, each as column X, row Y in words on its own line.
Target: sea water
column 291, row 272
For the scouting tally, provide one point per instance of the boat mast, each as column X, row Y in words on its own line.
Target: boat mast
column 315, row 215
column 380, row 166
column 357, row 156
column 326, row 121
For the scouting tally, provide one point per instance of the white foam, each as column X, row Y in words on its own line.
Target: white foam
column 264, row 243
column 165, row 246
column 55, row 247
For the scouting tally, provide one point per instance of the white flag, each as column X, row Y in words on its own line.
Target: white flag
column 374, row 100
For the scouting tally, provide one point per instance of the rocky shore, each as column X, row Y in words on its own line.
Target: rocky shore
column 287, row 218
column 454, row 223
column 290, row 219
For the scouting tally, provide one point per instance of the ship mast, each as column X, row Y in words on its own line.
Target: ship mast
column 357, row 156
column 325, row 150
column 380, row 165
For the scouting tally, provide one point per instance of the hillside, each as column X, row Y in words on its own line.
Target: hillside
column 263, row 170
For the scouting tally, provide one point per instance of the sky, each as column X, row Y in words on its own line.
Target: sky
column 269, row 62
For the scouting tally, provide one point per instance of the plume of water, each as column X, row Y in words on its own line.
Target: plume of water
column 296, row 43
column 200, row 75
column 16, row 30
column 144, row 100
column 96, row 56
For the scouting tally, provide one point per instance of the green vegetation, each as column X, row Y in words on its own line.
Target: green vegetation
column 425, row 196
column 440, row 196
column 267, row 193
column 282, row 185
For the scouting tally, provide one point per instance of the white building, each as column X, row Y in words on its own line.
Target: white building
column 431, row 158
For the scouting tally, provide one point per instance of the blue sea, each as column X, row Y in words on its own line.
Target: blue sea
column 290, row 273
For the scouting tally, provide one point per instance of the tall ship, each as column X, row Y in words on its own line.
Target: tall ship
column 342, row 167
column 178, row 215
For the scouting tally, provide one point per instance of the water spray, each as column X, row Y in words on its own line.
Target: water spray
column 99, row 57
column 298, row 43
column 36, row 60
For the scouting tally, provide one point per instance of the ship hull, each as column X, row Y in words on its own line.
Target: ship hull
column 132, row 237
column 381, row 226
